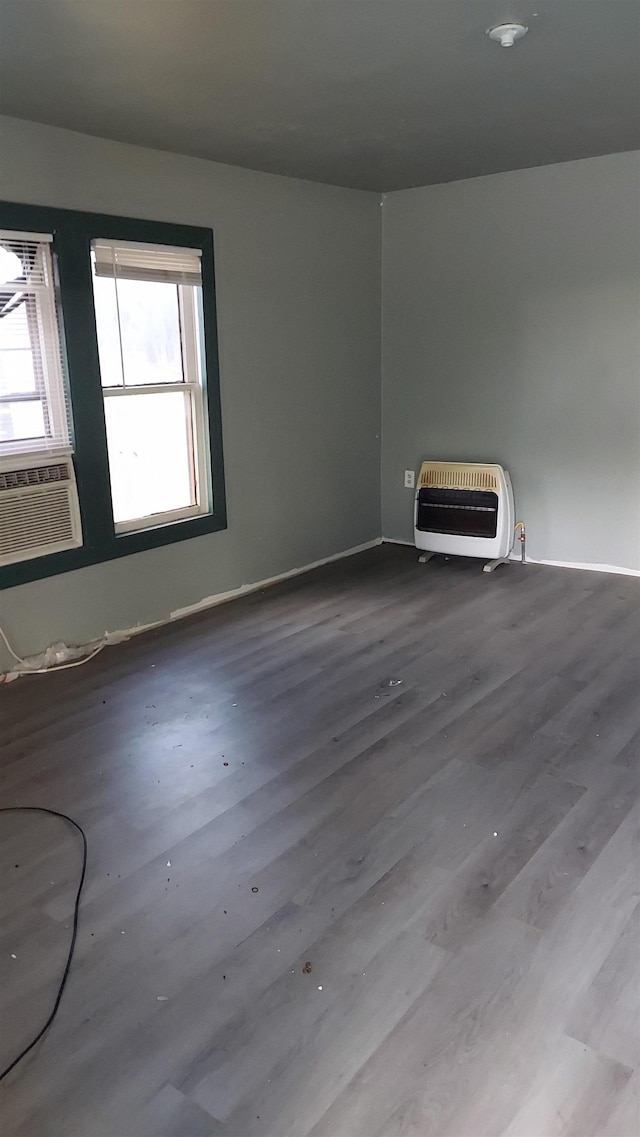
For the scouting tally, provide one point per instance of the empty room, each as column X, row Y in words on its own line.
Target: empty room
column 319, row 568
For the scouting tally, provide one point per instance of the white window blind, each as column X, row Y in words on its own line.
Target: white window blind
column 159, row 263
column 34, row 402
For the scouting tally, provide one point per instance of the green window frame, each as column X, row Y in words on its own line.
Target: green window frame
column 73, row 233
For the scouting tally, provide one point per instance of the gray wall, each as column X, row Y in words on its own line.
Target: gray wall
column 298, row 286
column 510, row 334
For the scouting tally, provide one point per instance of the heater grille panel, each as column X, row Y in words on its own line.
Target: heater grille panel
column 466, row 513
column 456, row 475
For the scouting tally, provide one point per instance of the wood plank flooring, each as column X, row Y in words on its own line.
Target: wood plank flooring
column 419, row 778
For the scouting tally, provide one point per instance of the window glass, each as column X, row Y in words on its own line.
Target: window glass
column 21, row 420
column 17, row 372
column 150, row 459
column 150, row 331
column 108, row 329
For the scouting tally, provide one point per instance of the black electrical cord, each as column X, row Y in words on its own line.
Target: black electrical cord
column 76, row 910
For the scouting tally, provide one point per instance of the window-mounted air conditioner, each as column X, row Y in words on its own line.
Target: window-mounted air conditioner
column 465, row 509
column 39, row 511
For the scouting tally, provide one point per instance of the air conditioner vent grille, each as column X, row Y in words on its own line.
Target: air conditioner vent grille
column 36, row 521
column 34, row 476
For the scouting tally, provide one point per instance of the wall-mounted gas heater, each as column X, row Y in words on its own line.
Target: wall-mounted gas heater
column 464, row 509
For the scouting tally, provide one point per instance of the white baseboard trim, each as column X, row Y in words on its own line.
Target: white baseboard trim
column 244, row 589
column 618, row 569
column 75, row 653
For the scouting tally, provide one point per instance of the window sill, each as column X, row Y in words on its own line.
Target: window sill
column 160, row 521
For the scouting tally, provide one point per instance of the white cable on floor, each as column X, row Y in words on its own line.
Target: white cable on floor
column 47, row 670
column 9, row 648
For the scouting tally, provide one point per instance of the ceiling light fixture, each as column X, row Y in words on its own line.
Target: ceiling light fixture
column 507, row 34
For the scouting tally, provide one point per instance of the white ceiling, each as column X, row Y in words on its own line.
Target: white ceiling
column 374, row 94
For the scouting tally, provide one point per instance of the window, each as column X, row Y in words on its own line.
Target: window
column 34, row 414
column 148, row 315
column 110, row 425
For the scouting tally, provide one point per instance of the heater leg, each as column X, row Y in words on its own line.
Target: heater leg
column 491, row 565
column 424, row 557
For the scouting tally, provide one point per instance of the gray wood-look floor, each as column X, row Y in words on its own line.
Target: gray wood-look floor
column 455, row 854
